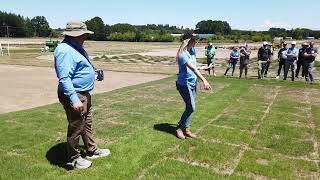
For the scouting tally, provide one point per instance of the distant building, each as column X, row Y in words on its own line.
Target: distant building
column 310, row 38
column 176, row 35
column 200, row 36
column 204, row 36
column 288, row 38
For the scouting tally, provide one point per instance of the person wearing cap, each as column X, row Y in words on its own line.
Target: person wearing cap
column 76, row 77
column 300, row 61
column 282, row 57
column 292, row 56
column 264, row 59
column 310, row 56
column 269, row 62
column 234, row 58
column 244, row 60
column 187, row 83
column 210, row 52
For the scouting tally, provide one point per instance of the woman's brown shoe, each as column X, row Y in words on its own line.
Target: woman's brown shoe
column 189, row 134
column 180, row 134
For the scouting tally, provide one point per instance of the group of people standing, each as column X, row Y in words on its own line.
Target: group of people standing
column 292, row 59
column 295, row 60
column 243, row 56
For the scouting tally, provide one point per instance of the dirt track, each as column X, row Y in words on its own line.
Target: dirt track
column 24, row 87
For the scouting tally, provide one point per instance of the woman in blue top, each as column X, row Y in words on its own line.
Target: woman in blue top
column 187, row 82
column 234, row 58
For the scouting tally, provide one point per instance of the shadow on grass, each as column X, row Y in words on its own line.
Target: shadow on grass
column 166, row 127
column 57, row 155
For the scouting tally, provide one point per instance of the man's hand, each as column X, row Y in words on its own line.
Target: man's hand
column 78, row 107
column 206, row 85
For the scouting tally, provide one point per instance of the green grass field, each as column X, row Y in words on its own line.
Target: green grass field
column 247, row 129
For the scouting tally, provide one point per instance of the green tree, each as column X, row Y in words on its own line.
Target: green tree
column 213, row 27
column 277, row 32
column 29, row 29
column 96, row 25
column 41, row 26
column 122, row 28
column 12, row 25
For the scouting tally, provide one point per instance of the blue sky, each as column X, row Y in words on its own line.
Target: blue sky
column 241, row 14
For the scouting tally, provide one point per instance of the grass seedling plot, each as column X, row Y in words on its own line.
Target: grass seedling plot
column 137, row 58
column 247, row 129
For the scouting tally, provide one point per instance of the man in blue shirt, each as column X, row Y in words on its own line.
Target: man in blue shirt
column 292, row 56
column 76, row 77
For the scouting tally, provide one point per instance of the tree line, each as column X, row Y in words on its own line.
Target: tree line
column 132, row 33
column 13, row 25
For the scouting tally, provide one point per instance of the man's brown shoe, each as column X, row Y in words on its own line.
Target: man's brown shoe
column 180, row 134
column 189, row 134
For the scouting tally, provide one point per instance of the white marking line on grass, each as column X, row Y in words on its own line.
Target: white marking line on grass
column 267, row 111
column 216, row 141
column 251, row 175
column 212, row 120
column 170, row 150
column 315, row 154
column 234, row 163
column 255, row 129
column 228, row 127
column 302, row 158
column 237, row 160
column 175, row 148
column 199, row 164
column 259, row 149
column 144, row 171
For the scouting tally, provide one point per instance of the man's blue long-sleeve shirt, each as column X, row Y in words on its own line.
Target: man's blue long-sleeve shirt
column 73, row 70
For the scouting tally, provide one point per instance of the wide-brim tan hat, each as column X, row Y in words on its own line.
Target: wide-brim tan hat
column 76, row 28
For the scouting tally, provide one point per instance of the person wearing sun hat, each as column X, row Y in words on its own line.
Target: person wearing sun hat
column 292, row 56
column 76, row 77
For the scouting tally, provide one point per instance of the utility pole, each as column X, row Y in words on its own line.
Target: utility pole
column 7, row 31
column 1, row 52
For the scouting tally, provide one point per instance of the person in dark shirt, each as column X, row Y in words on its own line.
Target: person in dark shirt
column 301, row 60
column 269, row 62
column 264, row 58
column 282, row 59
column 310, row 56
column 244, row 61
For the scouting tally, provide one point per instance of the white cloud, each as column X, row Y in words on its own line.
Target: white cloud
column 267, row 24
